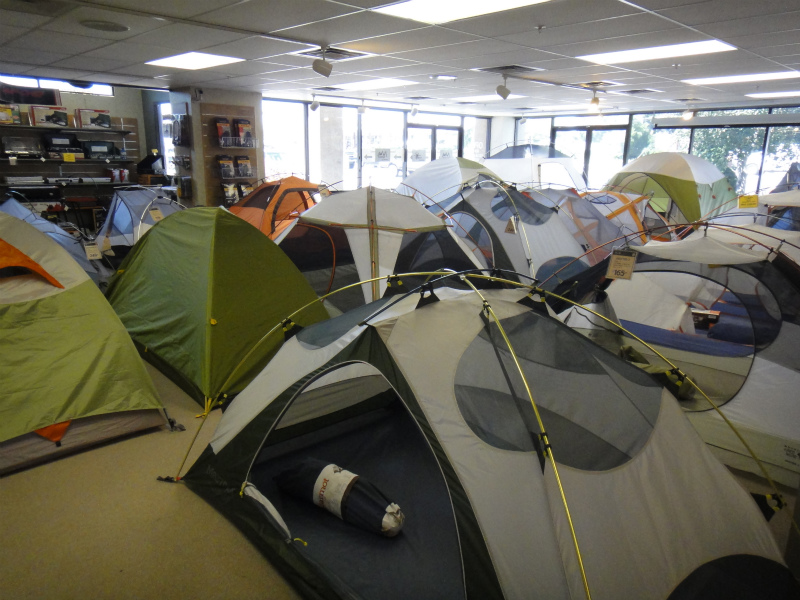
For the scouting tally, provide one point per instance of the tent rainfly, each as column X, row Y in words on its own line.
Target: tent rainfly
column 424, row 397
column 200, row 290
column 71, row 376
column 633, row 213
column 379, row 233
column 274, row 205
column 530, row 166
column 442, row 178
column 682, row 187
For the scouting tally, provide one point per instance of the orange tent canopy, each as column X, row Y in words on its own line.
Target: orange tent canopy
column 274, row 205
column 10, row 256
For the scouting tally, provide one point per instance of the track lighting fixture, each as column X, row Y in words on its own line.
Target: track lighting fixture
column 362, row 109
column 502, row 90
column 314, row 103
column 687, row 115
column 322, row 66
column 523, row 120
column 594, row 103
column 414, row 111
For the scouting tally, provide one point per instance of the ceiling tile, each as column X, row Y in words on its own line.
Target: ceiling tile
column 615, row 28
column 173, row 8
column 758, row 24
column 371, row 63
column 248, row 67
column 549, row 15
column 348, row 28
column 71, row 23
column 130, row 51
column 9, row 33
column 12, row 18
column 186, row 38
column 54, row 41
column 112, row 78
column 426, row 37
column 51, row 73
column 460, row 51
column 265, row 17
column 519, row 56
column 91, row 63
column 30, row 57
column 716, row 11
column 627, row 42
column 257, row 47
column 13, row 68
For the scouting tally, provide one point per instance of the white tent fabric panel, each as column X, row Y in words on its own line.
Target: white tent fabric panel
column 391, row 210
column 641, row 300
column 652, row 570
column 440, row 179
column 703, row 250
column 675, row 164
column 757, row 236
column 295, row 360
column 536, row 171
column 519, row 535
column 290, row 364
column 788, row 199
column 389, row 243
column 549, row 241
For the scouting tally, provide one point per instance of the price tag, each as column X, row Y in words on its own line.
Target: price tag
column 68, row 156
column 621, row 264
column 92, row 251
column 748, row 201
column 511, row 226
column 156, row 213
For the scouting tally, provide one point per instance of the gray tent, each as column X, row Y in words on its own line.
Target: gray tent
column 421, row 396
column 98, row 270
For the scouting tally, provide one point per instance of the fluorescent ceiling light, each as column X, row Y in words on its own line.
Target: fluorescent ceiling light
column 743, row 78
column 20, row 81
column 443, row 77
column 194, row 61
column 487, row 98
column 671, row 51
column 374, row 84
column 443, row 11
column 774, row 94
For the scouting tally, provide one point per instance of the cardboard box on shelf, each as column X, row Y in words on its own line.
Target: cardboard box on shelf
column 49, row 116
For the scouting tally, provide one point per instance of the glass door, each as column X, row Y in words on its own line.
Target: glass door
column 426, row 143
column 420, row 147
column 605, row 156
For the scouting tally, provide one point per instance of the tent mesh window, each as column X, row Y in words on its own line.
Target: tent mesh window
column 598, row 411
column 261, row 198
column 530, row 211
column 474, row 235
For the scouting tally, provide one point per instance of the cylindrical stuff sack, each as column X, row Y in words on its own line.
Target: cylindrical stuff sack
column 345, row 494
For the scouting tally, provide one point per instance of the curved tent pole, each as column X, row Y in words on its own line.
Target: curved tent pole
column 487, row 307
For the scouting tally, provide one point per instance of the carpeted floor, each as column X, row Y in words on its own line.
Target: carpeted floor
column 98, row 526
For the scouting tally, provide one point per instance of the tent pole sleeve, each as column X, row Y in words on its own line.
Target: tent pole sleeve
column 543, row 435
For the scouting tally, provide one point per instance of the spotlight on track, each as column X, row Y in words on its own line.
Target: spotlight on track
column 414, row 111
column 322, row 66
column 314, row 103
column 502, row 90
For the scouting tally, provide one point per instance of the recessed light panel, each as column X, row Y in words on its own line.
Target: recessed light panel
column 374, row 84
column 774, row 94
column 743, row 78
column 656, row 52
column 193, row 61
column 444, row 11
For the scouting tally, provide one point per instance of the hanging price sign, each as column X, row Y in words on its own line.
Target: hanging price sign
column 92, row 251
column 621, row 264
column 748, row 201
column 156, row 214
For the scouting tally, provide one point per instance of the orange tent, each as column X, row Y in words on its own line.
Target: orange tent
column 274, row 205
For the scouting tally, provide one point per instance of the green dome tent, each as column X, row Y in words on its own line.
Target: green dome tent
column 200, row 290
column 71, row 376
column 678, row 182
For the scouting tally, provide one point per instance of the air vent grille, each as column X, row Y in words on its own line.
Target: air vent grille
column 333, row 54
column 510, row 70
column 419, row 98
column 328, row 89
column 636, row 92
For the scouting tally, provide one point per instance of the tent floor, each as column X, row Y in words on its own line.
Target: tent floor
column 386, row 448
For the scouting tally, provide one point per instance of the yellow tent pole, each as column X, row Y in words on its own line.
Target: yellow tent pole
column 372, row 220
column 543, row 435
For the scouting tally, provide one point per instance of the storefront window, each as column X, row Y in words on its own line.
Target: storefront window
column 734, row 150
column 646, row 140
column 605, row 157
column 476, row 133
column 333, row 147
column 534, row 131
column 783, row 151
column 382, row 148
column 284, row 139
